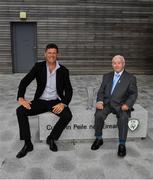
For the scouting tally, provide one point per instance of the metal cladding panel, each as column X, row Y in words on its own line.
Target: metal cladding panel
column 88, row 32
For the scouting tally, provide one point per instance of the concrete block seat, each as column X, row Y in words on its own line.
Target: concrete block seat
column 81, row 127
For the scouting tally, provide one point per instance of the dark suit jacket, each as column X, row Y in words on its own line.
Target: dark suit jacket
column 125, row 91
column 39, row 72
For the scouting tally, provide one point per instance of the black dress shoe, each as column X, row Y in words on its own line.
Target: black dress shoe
column 52, row 145
column 24, row 151
column 96, row 144
column 121, row 150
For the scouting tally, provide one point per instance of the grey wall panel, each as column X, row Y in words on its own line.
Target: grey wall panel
column 88, row 32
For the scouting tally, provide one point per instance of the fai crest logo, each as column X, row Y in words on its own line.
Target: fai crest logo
column 133, row 124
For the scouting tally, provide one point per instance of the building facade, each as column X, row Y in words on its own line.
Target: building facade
column 88, row 32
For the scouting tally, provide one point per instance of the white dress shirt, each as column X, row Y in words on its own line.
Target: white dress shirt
column 50, row 92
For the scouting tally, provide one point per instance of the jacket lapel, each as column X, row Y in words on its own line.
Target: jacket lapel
column 57, row 79
column 110, row 81
column 44, row 74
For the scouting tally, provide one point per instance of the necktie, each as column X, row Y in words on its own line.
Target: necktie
column 115, row 80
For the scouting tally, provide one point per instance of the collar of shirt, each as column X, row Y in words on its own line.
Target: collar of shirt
column 51, row 73
column 120, row 73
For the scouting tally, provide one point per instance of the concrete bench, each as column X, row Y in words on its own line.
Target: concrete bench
column 81, row 127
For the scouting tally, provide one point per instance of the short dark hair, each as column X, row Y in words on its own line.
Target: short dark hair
column 51, row 45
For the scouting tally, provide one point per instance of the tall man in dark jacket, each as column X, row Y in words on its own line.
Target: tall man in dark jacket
column 53, row 93
column 117, row 94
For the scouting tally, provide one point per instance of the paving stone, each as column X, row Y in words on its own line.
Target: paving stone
column 63, row 163
column 65, row 146
column 63, row 166
column 84, row 152
column 6, row 135
column 133, row 152
column 91, row 173
column 12, row 166
column 41, row 154
column 35, row 173
column 142, row 171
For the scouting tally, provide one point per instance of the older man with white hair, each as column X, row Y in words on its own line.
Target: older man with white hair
column 117, row 95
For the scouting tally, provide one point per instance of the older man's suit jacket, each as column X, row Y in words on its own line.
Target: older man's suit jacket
column 39, row 72
column 125, row 91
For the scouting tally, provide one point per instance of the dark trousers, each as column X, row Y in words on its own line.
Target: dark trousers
column 122, row 121
column 38, row 107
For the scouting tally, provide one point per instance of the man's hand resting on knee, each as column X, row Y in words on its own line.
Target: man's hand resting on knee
column 25, row 103
column 58, row 108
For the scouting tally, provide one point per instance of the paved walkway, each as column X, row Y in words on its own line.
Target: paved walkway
column 72, row 160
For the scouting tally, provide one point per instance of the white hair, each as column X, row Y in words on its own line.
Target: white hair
column 120, row 57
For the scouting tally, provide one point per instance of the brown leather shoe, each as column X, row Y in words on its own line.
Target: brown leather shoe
column 24, row 151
